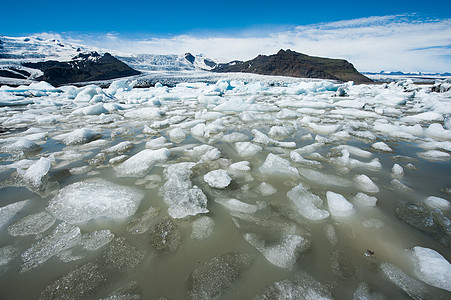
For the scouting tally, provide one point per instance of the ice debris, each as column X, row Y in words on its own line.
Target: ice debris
column 165, row 235
column 10, row 210
column 32, row 224
column 307, row 203
column 277, row 166
column 338, row 205
column 202, row 228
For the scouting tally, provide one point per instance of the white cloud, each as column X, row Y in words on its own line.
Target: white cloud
column 402, row 42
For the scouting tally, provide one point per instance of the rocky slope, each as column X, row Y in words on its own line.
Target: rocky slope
column 83, row 67
column 294, row 64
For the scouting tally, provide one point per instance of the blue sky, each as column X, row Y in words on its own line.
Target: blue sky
column 373, row 35
column 162, row 18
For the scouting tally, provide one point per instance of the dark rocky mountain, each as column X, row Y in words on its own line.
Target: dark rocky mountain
column 83, row 67
column 294, row 64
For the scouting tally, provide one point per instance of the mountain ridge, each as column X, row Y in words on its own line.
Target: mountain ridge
column 295, row 64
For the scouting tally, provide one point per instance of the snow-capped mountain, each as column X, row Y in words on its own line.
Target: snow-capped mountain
column 16, row 52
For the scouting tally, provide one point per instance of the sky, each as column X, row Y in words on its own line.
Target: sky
column 373, row 35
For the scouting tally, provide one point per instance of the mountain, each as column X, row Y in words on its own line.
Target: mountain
column 400, row 73
column 294, row 64
column 83, row 67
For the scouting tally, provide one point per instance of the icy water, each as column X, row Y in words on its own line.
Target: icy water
column 233, row 190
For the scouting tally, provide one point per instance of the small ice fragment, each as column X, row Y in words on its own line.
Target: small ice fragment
column 338, row 205
column 22, row 145
column 80, row 136
column 437, row 202
column 432, row 268
column 32, row 224
column 177, row 135
column 218, row 179
column 241, row 166
column 237, row 205
column 275, row 165
column 158, row 143
column 7, row 254
column 97, row 239
column 283, row 253
column 365, row 184
column 8, row 211
column 119, row 148
column 364, row 199
column 235, row 137
column 202, row 228
column 267, row 189
column 307, row 203
column 142, row 222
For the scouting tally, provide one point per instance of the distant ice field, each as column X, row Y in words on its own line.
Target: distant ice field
column 246, row 187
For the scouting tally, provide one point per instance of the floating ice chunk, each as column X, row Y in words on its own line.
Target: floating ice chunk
column 247, row 149
column 363, row 293
column 97, row 239
column 218, row 179
column 158, row 143
column 261, row 138
column 297, row 158
column 235, row 137
column 177, row 135
column 338, row 205
column 202, row 228
column 432, row 268
column 283, row 253
column 63, row 237
column 279, row 132
column 287, row 114
column 325, row 179
column 8, row 211
column 365, row 184
column 426, row 116
column 241, row 166
column 309, row 148
column 94, row 198
column 307, row 203
column 381, row 146
column 413, row 287
column 237, row 205
column 397, row 171
column 364, row 199
column 96, row 109
column 36, row 176
column 119, row 148
column 205, row 152
column 32, row 224
column 303, row 287
column 436, row 202
column 323, row 129
column 79, row 136
column 88, row 93
column 7, row 254
column 183, row 198
column 211, row 279
column 373, row 165
column 121, row 85
column 142, row 222
column 22, row 145
column 434, row 155
column 436, row 131
column 267, row 189
column 144, row 113
column 277, row 166
column 331, row 234
column 142, row 162
column 355, row 151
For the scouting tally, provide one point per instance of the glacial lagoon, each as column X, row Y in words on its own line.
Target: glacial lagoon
column 250, row 188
